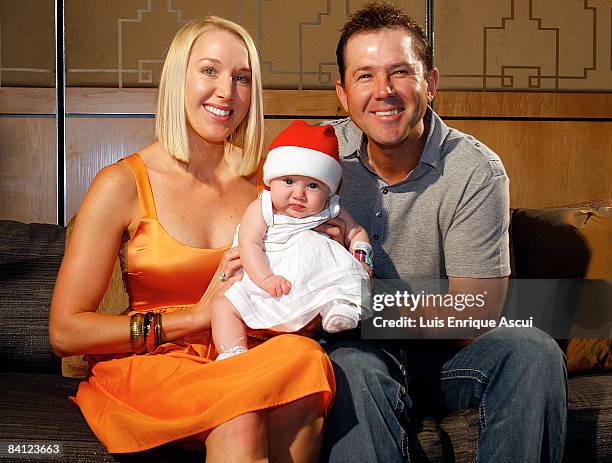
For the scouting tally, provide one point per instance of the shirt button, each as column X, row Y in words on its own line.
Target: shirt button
column 376, row 237
column 379, row 214
column 385, row 191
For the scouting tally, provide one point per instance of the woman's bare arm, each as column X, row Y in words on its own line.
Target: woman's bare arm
column 109, row 207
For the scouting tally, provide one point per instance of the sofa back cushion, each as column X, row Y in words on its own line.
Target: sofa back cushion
column 30, row 256
column 562, row 243
column 568, row 243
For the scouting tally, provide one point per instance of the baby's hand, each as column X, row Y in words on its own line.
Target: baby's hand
column 276, row 285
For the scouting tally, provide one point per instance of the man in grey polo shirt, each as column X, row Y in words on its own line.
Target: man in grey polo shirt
column 435, row 202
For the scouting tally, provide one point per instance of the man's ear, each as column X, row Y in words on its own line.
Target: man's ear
column 341, row 95
column 432, row 83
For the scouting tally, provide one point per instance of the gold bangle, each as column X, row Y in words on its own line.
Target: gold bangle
column 137, row 333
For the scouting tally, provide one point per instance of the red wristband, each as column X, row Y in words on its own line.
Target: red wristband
column 150, row 343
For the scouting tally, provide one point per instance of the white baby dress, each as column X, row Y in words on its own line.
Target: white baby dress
column 321, row 271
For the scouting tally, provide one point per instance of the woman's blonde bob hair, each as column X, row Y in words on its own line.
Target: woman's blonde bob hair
column 171, row 123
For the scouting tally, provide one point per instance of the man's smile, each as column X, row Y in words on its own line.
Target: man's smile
column 390, row 112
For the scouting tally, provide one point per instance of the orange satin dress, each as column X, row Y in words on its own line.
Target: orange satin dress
column 137, row 402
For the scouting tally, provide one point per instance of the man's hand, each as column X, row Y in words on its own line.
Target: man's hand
column 276, row 285
column 367, row 268
column 313, row 327
column 334, row 228
column 310, row 330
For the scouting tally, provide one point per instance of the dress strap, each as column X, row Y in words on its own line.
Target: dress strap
column 266, row 207
column 334, row 206
column 145, row 194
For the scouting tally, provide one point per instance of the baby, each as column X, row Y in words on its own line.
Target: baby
column 292, row 273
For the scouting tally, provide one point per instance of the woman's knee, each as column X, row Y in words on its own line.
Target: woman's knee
column 302, row 412
column 248, row 432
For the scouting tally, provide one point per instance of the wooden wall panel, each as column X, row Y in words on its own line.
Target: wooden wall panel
column 524, row 104
column 89, row 100
column 28, row 180
column 22, row 100
column 550, row 163
column 93, row 143
column 557, row 152
column 275, row 126
column 324, row 103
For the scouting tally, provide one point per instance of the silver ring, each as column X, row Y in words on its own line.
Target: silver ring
column 223, row 276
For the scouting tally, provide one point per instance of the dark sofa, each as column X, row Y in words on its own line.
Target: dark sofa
column 34, row 404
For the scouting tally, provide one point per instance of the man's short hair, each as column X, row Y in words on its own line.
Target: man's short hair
column 376, row 16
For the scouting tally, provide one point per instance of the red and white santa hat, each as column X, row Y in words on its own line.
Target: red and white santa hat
column 307, row 150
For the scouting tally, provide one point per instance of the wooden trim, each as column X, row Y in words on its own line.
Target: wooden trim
column 318, row 103
column 324, row 103
column 524, row 104
column 312, row 103
column 81, row 100
column 85, row 100
column 26, row 100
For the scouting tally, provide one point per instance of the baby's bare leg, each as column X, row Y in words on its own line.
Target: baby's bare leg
column 228, row 329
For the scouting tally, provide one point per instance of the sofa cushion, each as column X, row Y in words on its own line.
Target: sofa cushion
column 589, row 424
column 562, row 243
column 589, row 427
column 30, row 256
column 36, row 408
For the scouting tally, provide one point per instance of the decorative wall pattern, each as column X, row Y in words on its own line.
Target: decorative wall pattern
column 542, row 45
column 298, row 44
column 296, row 40
column 537, row 45
column 27, row 43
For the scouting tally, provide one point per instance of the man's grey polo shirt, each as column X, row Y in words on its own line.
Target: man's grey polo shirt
column 449, row 217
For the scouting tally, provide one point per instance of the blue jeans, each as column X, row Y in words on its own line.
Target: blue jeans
column 516, row 377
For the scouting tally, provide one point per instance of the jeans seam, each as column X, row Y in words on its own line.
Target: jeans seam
column 400, row 409
column 482, row 421
column 405, row 445
column 482, row 378
column 466, row 373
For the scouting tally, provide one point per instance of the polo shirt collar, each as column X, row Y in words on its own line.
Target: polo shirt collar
column 438, row 131
column 353, row 138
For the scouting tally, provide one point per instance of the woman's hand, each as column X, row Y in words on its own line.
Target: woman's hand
column 229, row 268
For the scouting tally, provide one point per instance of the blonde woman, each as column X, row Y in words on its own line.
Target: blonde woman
column 179, row 201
